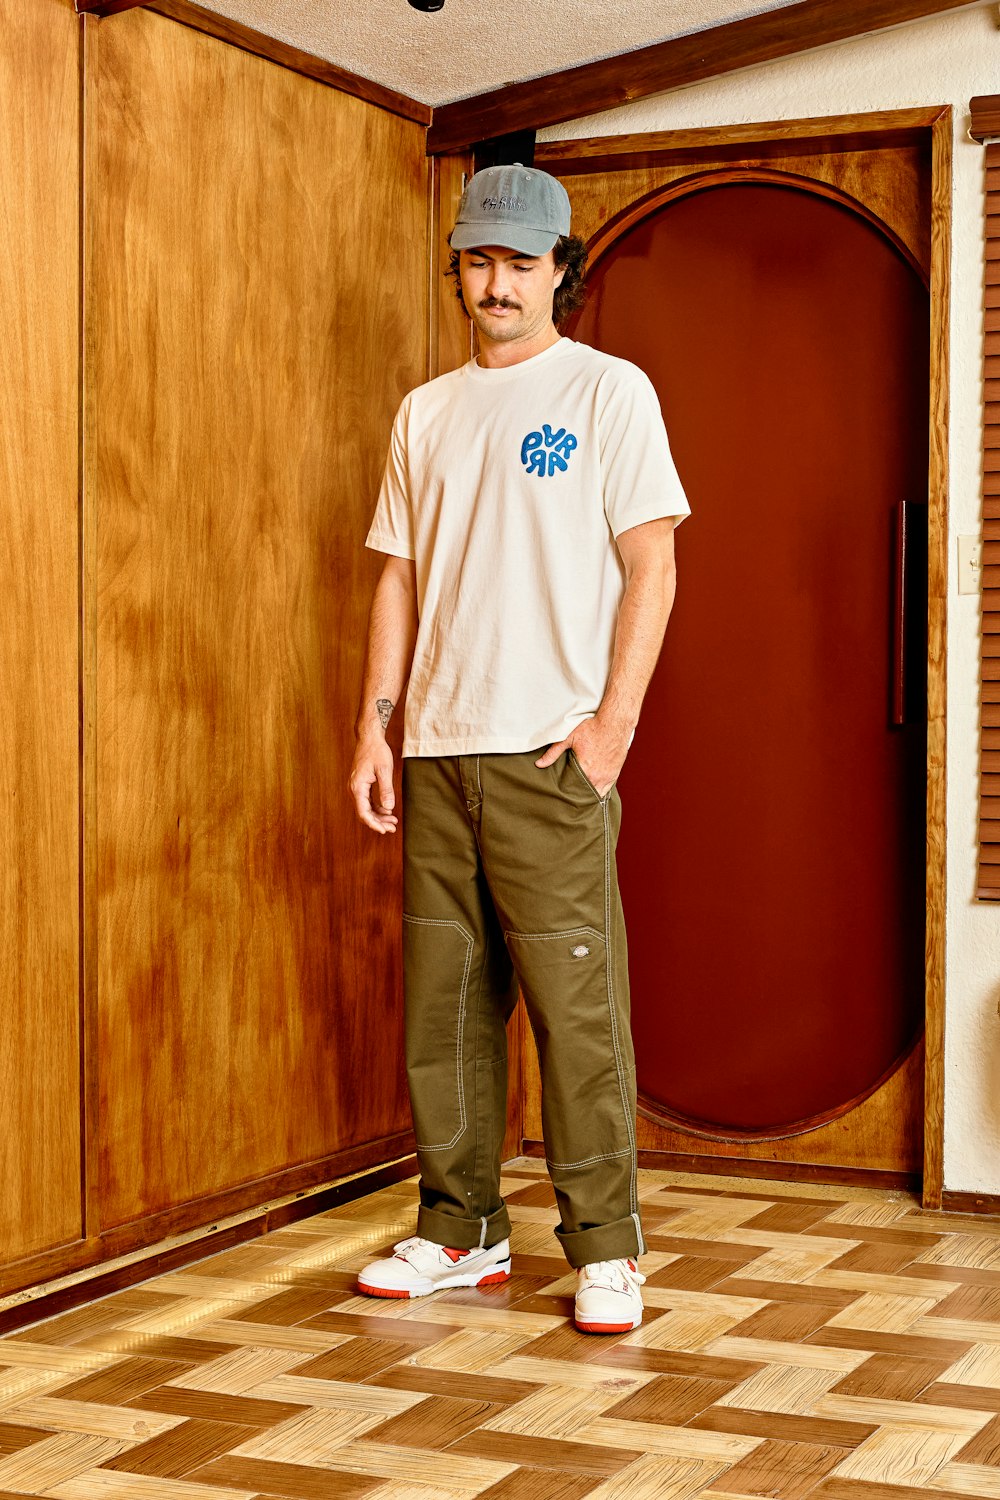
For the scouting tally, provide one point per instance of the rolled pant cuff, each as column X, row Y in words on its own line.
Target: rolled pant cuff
column 615, row 1241
column 463, row 1234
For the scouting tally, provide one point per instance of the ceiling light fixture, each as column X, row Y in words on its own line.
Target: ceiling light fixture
column 427, row 5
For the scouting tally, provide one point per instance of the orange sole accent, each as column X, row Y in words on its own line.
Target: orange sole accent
column 379, row 1291
column 493, row 1280
column 605, row 1327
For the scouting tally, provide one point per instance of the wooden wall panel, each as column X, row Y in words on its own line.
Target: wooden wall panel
column 450, row 329
column 39, row 726
column 260, row 295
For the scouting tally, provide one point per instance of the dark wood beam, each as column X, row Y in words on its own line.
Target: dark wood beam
column 667, row 65
column 985, row 112
column 504, row 149
column 105, row 7
column 261, row 45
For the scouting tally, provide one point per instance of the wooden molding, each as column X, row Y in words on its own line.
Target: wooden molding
column 450, row 331
column 48, row 1299
column 261, row 45
column 601, row 85
column 985, row 112
column 738, row 143
column 741, row 172
column 971, row 1203
column 937, row 660
column 90, row 1098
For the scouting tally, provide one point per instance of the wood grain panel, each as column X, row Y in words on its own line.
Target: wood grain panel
column 937, row 656
column 817, row 135
column 451, row 330
column 40, row 1205
column 262, row 45
column 253, row 344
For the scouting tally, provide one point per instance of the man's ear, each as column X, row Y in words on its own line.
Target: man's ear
column 562, row 273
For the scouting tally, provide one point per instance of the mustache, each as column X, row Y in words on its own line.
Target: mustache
column 500, row 302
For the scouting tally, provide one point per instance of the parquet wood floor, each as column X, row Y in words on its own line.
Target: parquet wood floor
column 799, row 1343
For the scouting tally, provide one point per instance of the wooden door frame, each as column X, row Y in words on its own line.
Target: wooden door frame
column 931, row 126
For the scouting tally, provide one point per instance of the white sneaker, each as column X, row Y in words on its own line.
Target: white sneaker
column 420, row 1266
column 608, row 1299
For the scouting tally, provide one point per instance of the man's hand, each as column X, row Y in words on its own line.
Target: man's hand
column 370, row 784
column 599, row 746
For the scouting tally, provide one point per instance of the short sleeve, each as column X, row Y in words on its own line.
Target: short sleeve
column 640, row 480
column 391, row 529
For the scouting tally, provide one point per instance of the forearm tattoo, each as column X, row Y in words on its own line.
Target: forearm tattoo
column 385, row 707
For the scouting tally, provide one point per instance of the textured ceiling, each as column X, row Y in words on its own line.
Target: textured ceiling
column 468, row 47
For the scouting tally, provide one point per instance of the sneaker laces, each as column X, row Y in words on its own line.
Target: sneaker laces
column 616, row 1275
column 416, row 1245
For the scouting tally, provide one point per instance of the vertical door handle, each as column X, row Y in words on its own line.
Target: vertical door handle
column 908, row 667
column 897, row 673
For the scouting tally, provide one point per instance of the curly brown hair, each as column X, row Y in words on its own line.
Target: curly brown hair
column 569, row 251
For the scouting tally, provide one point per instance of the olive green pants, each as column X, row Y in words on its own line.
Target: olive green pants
column 509, row 877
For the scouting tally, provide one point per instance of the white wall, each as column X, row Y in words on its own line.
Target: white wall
column 944, row 60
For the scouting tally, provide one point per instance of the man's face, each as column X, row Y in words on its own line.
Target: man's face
column 508, row 295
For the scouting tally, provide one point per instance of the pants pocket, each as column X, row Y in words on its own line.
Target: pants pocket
column 437, row 960
column 574, row 761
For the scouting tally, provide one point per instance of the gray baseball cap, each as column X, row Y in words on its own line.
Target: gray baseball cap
column 516, row 206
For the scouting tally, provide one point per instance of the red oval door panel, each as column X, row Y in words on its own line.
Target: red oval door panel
column 771, row 857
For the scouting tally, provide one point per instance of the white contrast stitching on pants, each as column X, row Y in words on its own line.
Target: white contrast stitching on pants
column 538, row 937
column 569, row 1166
column 462, row 1120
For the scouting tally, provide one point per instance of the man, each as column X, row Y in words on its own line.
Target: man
column 527, row 508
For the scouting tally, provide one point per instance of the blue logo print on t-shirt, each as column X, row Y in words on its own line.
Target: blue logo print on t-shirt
column 544, row 452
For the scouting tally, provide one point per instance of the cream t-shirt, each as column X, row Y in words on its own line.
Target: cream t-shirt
column 507, row 487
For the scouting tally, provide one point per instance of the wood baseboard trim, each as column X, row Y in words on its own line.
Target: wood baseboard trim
column 123, row 1237
column 49, row 1298
column 777, row 1171
column 971, row 1203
